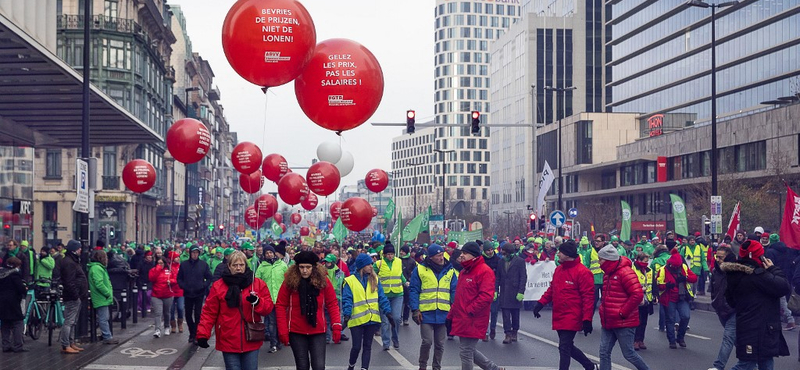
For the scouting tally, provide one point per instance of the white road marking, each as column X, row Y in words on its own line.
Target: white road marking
column 396, row 355
column 697, row 336
column 554, row 344
column 378, row 368
column 121, row 367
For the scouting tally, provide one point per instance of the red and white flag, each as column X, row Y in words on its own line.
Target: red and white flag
column 790, row 226
column 736, row 219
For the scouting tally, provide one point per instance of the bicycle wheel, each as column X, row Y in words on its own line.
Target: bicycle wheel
column 35, row 323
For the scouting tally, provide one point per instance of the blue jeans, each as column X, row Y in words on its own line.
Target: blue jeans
column 728, row 342
column 662, row 317
column 241, row 361
column 102, row 321
column 493, row 310
column 362, row 341
column 677, row 312
column 271, row 327
column 386, row 328
column 625, row 337
column 177, row 304
column 766, row 364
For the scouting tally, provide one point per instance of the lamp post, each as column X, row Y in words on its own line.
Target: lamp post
column 508, row 221
column 714, row 159
column 560, row 165
column 415, row 164
column 444, row 178
column 186, row 172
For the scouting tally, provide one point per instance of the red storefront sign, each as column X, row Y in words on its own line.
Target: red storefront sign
column 661, row 170
column 646, row 225
column 656, row 123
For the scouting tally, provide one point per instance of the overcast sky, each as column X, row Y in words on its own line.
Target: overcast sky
column 399, row 33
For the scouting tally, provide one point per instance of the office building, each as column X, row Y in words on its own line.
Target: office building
column 412, row 172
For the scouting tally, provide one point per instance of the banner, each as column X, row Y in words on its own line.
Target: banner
column 735, row 221
column 790, row 226
column 625, row 232
column 545, row 182
column 679, row 213
column 307, row 240
column 339, row 231
column 461, row 237
column 424, row 225
column 388, row 214
column 413, row 228
column 539, row 277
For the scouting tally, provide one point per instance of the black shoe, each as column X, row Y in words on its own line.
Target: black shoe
column 273, row 349
column 111, row 341
column 673, row 346
column 385, row 348
column 21, row 350
column 682, row 343
column 396, row 345
column 7, row 350
column 344, row 338
column 492, row 334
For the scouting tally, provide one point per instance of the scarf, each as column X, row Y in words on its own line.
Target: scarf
column 235, row 283
column 433, row 266
column 308, row 301
column 641, row 265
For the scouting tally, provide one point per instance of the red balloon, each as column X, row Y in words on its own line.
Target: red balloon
column 268, row 42
column 188, row 140
column 310, row 203
column 335, row 209
column 139, row 175
column 252, row 219
column 296, row 218
column 278, row 218
column 377, row 180
column 274, row 167
column 323, row 178
column 246, row 157
column 266, row 206
column 342, row 85
column 251, row 183
column 305, row 231
column 374, row 211
column 283, row 227
column 292, row 189
column 356, row 214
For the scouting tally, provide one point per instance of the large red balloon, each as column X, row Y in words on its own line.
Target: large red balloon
column 374, row 211
column 283, row 227
column 251, row 183
column 278, row 218
column 310, row 203
column 342, row 85
column 323, row 178
column 139, row 175
column 266, row 206
column 296, row 218
column 356, row 214
column 292, row 188
column 305, row 231
column 377, row 180
column 188, row 140
column 252, row 219
column 274, row 167
column 246, row 157
column 335, row 208
column 268, row 42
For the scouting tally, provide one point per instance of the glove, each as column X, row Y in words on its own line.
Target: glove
column 520, row 297
column 253, row 299
column 284, row 338
column 391, row 321
column 346, row 319
column 202, row 342
column 680, row 279
column 587, row 328
column 336, row 334
column 670, row 286
column 496, row 294
column 417, row 317
column 536, row 308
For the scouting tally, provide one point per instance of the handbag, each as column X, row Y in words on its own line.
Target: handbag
column 253, row 331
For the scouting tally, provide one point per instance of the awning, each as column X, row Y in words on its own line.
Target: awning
column 41, row 100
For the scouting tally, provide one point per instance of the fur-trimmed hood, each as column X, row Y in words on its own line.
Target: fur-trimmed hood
column 729, row 267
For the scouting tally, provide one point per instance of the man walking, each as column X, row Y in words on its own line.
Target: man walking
column 76, row 287
column 725, row 313
column 511, row 279
column 390, row 274
column 272, row 270
column 194, row 278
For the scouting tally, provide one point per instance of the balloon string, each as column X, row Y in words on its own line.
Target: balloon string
column 264, row 126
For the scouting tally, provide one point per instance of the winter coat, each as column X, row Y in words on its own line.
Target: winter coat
column 588, row 258
column 415, row 289
column 347, row 299
column 144, row 272
column 672, row 295
column 336, row 278
column 754, row 292
column 44, row 269
column 194, row 278
column 408, row 267
column 512, row 276
column 530, row 257
column 176, row 290
column 622, row 293
column 782, row 256
column 220, row 270
column 24, row 269
column 12, row 292
column 272, row 274
column 290, row 317
column 73, row 278
column 118, row 270
column 227, row 322
column 163, row 282
column 492, row 262
column 100, row 285
column 474, row 294
column 719, row 283
column 572, row 294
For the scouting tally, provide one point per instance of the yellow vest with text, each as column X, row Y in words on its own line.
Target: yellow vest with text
column 662, row 279
column 435, row 293
column 694, row 255
column 391, row 277
column 365, row 303
column 646, row 279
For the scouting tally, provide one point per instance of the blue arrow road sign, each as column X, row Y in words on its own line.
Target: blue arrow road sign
column 557, row 218
column 573, row 212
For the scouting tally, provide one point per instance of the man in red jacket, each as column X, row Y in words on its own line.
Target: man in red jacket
column 619, row 308
column 469, row 313
column 572, row 294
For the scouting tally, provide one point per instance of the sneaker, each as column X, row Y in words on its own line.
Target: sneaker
column 449, row 337
column 157, row 333
column 386, row 348
column 713, row 368
column 405, row 322
column 396, row 345
column 111, row 341
column 486, row 338
column 273, row 349
column 166, row 330
column 673, row 346
column 790, row 326
column 642, row 346
column 345, row 338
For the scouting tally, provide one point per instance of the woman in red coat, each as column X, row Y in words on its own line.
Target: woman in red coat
column 300, row 311
column 233, row 299
column 177, row 297
column 572, row 294
column 163, row 281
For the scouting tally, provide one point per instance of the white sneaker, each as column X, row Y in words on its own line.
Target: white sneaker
column 166, row 331
column 157, row 333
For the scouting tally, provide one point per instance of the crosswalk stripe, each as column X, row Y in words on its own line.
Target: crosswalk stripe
column 697, row 336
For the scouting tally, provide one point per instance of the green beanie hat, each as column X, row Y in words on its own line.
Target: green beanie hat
column 531, row 240
column 228, row 252
column 584, row 241
column 774, row 238
column 246, row 246
column 614, row 238
column 330, row 258
column 538, row 240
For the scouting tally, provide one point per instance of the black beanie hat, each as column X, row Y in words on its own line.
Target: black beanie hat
column 281, row 248
column 569, row 249
column 472, row 248
column 306, row 257
column 388, row 248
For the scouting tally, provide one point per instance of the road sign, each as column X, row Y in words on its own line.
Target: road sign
column 82, row 187
column 557, row 218
column 716, row 224
column 716, row 205
column 573, row 212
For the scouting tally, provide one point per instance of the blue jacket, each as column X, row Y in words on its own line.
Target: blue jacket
column 415, row 288
column 347, row 299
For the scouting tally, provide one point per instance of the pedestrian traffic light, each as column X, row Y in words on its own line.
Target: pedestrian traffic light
column 541, row 224
column 411, row 117
column 476, row 122
column 533, row 221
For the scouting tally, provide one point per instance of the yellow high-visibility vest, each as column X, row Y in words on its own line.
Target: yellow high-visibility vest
column 365, row 303
column 662, row 279
column 391, row 277
column 646, row 279
column 435, row 293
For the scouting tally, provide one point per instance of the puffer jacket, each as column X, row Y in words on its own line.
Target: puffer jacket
column 474, row 294
column 290, row 318
column 622, row 293
column 272, row 274
column 227, row 322
column 163, row 281
column 572, row 294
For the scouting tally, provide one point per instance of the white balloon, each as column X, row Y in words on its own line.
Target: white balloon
column 329, row 151
column 345, row 165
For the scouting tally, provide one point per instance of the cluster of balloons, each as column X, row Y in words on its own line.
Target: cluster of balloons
column 378, row 237
column 332, row 152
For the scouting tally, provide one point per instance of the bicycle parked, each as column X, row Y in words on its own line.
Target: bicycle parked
column 45, row 310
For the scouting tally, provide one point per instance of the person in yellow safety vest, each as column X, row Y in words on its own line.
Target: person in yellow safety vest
column 645, row 275
column 589, row 259
column 362, row 303
column 695, row 255
column 390, row 273
column 432, row 289
column 675, row 288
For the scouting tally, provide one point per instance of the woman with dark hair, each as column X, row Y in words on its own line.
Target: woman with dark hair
column 163, row 281
column 101, row 292
column 300, row 309
column 12, row 292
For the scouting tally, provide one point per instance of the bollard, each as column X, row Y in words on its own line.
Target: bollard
column 123, row 309
column 92, row 319
column 135, row 290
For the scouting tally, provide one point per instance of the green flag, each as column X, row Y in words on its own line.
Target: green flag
column 414, row 227
column 424, row 226
column 276, row 229
column 339, row 231
column 388, row 214
column 679, row 214
column 398, row 229
column 625, row 233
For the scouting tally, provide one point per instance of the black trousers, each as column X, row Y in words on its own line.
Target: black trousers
column 644, row 311
column 510, row 319
column 567, row 350
column 304, row 346
column 193, row 307
column 12, row 335
column 406, row 304
column 362, row 339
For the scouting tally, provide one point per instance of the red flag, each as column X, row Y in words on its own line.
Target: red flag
column 592, row 225
column 736, row 220
column 790, row 227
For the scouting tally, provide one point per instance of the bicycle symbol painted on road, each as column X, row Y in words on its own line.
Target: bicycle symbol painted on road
column 135, row 352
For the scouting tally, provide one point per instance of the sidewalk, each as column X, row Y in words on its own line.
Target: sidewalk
column 40, row 356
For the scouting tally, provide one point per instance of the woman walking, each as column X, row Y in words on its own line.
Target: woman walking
column 234, row 303
column 362, row 303
column 300, row 309
column 163, row 282
column 177, row 296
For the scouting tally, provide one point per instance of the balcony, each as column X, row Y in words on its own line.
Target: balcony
column 110, row 182
column 99, row 22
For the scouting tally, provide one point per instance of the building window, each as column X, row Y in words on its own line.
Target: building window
column 583, row 142
column 608, row 180
column 111, row 9
column 50, row 211
column 110, row 161
column 53, row 164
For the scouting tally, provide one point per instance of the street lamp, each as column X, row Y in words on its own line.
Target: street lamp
column 714, row 160
column 186, row 172
column 508, row 221
column 415, row 164
column 444, row 177
column 560, row 165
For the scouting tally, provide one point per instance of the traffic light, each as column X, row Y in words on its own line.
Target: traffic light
column 476, row 122
column 533, row 221
column 411, row 117
column 542, row 224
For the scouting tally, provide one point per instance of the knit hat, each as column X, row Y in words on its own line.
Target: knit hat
column 584, row 241
column 73, row 246
column 329, row 258
column 281, row 248
column 608, row 253
column 195, row 248
column 100, row 243
column 471, row 248
column 758, row 230
column 404, row 249
column 306, row 257
column 487, row 246
column 774, row 238
column 751, row 249
column 452, row 244
column 569, row 249
column 675, row 259
column 389, row 248
column 228, row 251
column 362, row 261
column 435, row 249
column 148, row 253
column 268, row 247
column 614, row 238
column 23, row 243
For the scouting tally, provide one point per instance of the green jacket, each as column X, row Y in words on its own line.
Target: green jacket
column 184, row 256
column 336, row 277
column 659, row 261
column 45, row 269
column 100, row 285
column 647, row 248
column 272, row 274
column 590, row 260
column 213, row 262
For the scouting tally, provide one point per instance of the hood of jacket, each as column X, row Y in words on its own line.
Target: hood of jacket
column 737, row 267
column 5, row 272
column 92, row 264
